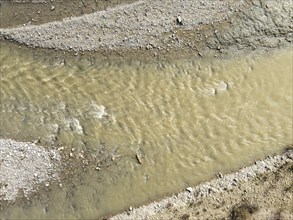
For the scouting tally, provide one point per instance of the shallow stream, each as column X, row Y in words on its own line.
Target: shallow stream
column 171, row 124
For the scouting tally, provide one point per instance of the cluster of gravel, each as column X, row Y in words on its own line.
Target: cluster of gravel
column 221, row 184
column 138, row 25
column 24, row 166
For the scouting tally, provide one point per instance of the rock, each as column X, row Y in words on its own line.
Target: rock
column 139, row 158
column 220, row 175
column 179, row 21
column 189, row 189
column 223, row 86
column 214, row 91
column 52, row 8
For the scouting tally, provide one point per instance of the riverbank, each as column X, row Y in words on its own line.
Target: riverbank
column 259, row 191
column 168, row 29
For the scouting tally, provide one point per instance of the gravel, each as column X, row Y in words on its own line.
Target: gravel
column 141, row 24
column 166, row 28
column 24, row 166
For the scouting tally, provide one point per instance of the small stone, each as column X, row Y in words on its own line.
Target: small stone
column 179, row 21
column 139, row 159
column 189, row 189
column 130, row 208
column 98, row 168
column 37, row 141
column 52, row 8
column 214, row 91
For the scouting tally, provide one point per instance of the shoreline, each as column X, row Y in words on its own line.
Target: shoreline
column 193, row 202
column 238, row 188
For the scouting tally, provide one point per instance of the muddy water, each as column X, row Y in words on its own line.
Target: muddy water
column 186, row 120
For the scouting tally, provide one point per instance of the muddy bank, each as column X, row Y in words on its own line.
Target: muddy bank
column 165, row 29
column 260, row 191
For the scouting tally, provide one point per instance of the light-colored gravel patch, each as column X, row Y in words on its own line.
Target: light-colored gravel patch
column 23, row 166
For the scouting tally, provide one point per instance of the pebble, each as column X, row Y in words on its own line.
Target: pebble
column 189, row 189
column 139, row 158
column 179, row 21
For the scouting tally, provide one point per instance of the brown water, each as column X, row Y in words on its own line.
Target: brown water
column 187, row 119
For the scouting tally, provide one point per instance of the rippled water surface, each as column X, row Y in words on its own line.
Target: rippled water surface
column 185, row 119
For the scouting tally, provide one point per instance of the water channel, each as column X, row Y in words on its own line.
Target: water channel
column 186, row 120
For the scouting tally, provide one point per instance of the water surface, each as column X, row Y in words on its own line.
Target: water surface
column 186, row 120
